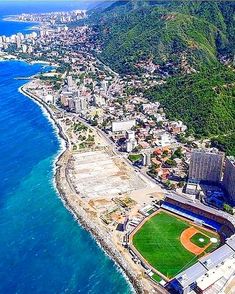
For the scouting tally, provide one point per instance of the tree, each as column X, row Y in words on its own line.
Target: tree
column 228, row 208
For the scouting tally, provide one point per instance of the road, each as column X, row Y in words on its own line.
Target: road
column 117, row 152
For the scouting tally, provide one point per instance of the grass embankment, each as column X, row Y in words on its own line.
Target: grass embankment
column 135, row 157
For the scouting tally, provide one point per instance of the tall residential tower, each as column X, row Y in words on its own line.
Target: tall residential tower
column 229, row 178
column 206, row 166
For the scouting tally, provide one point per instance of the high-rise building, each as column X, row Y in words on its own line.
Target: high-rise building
column 33, row 35
column 99, row 100
column 206, row 166
column 130, row 145
column 104, row 85
column 120, row 126
column 131, row 142
column 18, row 42
column 30, row 50
column 81, row 104
column 229, row 178
column 70, row 81
column 24, row 48
column 71, row 104
column 21, row 36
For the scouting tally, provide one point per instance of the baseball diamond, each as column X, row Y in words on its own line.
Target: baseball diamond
column 170, row 244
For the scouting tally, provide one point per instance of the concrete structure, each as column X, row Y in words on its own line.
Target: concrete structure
column 146, row 159
column 192, row 188
column 96, row 174
column 229, row 178
column 18, row 42
column 131, row 142
column 164, row 140
column 130, row 135
column 130, row 145
column 49, row 99
column 210, row 274
column 70, row 82
column 71, row 104
column 206, row 166
column 81, row 104
column 104, row 85
column 120, row 126
column 24, row 48
column 30, row 50
column 99, row 100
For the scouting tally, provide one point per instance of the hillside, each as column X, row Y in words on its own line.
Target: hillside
column 205, row 101
column 135, row 30
column 195, row 32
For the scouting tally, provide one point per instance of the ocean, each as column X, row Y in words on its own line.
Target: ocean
column 43, row 249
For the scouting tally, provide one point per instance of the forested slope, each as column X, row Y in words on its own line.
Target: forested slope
column 171, row 31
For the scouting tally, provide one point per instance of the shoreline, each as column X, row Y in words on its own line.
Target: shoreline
column 12, row 18
column 30, row 62
column 78, row 212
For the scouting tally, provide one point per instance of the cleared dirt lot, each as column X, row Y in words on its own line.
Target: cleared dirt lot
column 97, row 174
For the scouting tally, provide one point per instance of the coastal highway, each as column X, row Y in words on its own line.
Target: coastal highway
column 114, row 147
column 118, row 153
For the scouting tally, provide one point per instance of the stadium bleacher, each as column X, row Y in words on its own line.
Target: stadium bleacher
column 199, row 219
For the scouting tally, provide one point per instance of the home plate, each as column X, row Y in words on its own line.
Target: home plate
column 201, row 240
column 213, row 240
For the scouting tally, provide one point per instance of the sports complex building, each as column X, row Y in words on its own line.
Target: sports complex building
column 185, row 246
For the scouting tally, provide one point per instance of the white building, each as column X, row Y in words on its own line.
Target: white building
column 164, row 140
column 130, row 135
column 130, row 145
column 18, row 42
column 99, row 100
column 120, row 126
column 30, row 50
column 49, row 99
column 146, row 159
column 70, row 81
column 33, row 35
column 81, row 104
column 24, row 48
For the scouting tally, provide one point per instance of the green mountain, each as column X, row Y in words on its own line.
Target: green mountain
column 204, row 101
column 134, row 30
column 191, row 33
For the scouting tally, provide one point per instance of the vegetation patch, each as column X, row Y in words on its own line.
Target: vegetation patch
column 156, row 278
column 135, row 157
column 204, row 101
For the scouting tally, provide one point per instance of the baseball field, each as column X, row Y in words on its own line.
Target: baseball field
column 171, row 244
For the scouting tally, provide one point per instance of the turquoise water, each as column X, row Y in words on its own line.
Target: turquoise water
column 43, row 249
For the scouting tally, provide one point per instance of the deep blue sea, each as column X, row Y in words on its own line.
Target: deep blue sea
column 42, row 248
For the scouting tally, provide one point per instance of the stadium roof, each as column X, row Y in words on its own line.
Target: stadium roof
column 198, row 204
column 190, row 275
column 231, row 242
column 216, row 257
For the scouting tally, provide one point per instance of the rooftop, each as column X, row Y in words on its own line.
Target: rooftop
column 190, row 275
column 217, row 257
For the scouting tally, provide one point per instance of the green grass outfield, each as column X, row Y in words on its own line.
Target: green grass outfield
column 158, row 241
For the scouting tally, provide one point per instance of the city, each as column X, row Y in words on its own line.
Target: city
column 125, row 161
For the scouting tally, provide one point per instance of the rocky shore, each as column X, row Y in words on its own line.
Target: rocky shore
column 75, row 205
